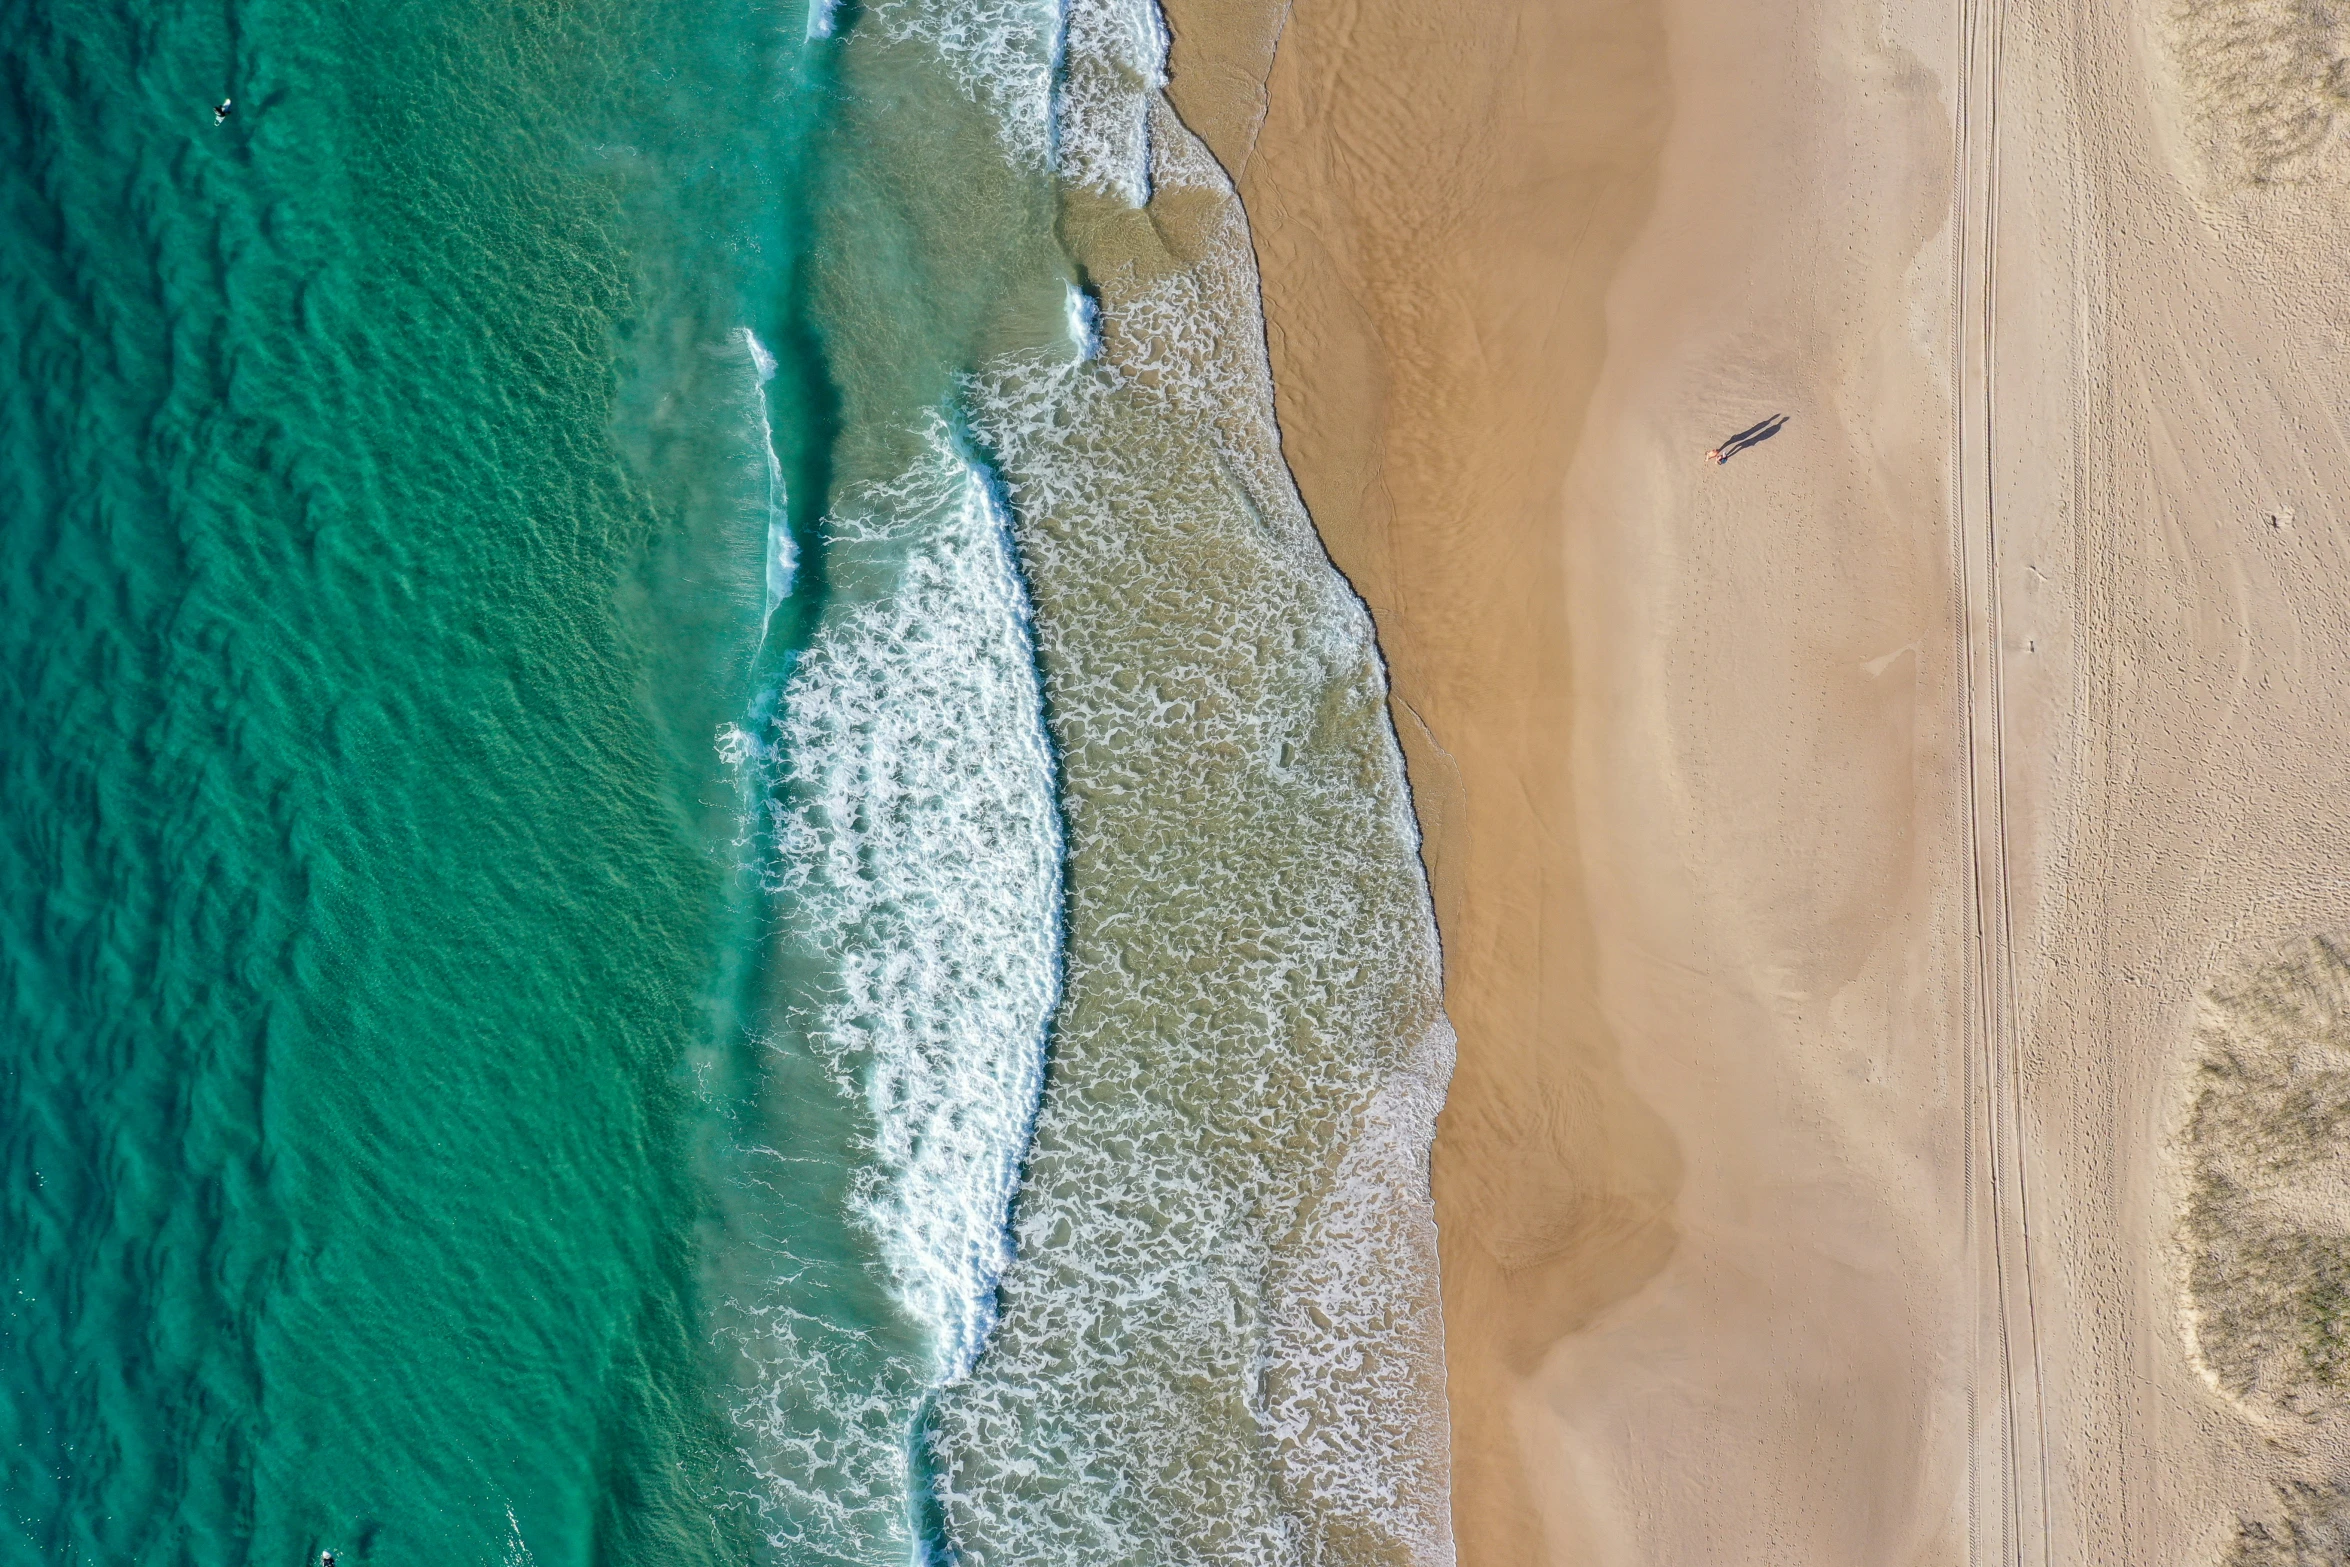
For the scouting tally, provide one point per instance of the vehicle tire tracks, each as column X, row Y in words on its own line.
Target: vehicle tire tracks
column 2008, row 1516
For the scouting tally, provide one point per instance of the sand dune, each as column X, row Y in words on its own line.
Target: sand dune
column 2264, row 1155
column 2267, row 84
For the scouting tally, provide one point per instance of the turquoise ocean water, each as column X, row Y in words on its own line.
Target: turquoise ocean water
column 697, row 863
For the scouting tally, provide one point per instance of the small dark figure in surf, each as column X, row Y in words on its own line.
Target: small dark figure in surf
column 220, row 112
column 326, row 1559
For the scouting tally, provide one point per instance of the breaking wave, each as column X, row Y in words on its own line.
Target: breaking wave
column 904, row 824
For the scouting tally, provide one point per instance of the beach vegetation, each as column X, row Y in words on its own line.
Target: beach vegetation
column 2264, row 1219
column 2310, row 1529
column 2267, row 84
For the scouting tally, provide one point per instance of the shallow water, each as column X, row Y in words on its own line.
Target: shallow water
column 699, row 863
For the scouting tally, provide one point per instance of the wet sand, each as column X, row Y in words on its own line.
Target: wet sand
column 1833, row 847
column 1435, row 262
column 1667, row 1278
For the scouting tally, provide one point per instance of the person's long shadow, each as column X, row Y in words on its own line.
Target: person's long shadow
column 1753, row 435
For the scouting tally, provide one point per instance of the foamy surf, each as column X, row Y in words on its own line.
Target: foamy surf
column 781, row 556
column 1217, row 1336
column 1115, row 62
column 1001, row 53
column 903, row 822
column 917, row 842
column 1220, row 1337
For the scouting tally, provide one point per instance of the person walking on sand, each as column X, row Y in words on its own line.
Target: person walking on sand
column 1714, row 456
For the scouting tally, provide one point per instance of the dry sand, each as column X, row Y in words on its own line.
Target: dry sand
column 1831, row 847
column 1433, row 302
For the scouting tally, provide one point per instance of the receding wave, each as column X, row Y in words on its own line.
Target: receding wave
column 1220, row 1337
column 1213, row 1332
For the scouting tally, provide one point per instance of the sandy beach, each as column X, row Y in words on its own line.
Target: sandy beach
column 1434, row 268
column 1833, row 847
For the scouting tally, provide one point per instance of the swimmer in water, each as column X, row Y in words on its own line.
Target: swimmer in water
column 220, row 112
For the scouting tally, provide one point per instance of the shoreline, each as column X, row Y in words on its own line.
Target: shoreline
column 1833, row 850
column 1677, row 734
column 1393, row 237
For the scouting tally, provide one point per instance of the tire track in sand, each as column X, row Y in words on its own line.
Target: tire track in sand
column 2014, row 1515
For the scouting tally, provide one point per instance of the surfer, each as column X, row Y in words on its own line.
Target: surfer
column 220, row 112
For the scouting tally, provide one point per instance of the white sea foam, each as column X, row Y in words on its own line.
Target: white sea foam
column 762, row 362
column 823, row 1428
column 908, row 833
column 1002, row 54
column 1084, row 323
column 1220, row 1339
column 517, row 1553
column 1115, row 62
column 917, row 845
column 780, row 556
column 1093, row 125
column 1355, row 1371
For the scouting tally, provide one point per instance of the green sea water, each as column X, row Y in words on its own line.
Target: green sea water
column 633, row 763
column 357, row 903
